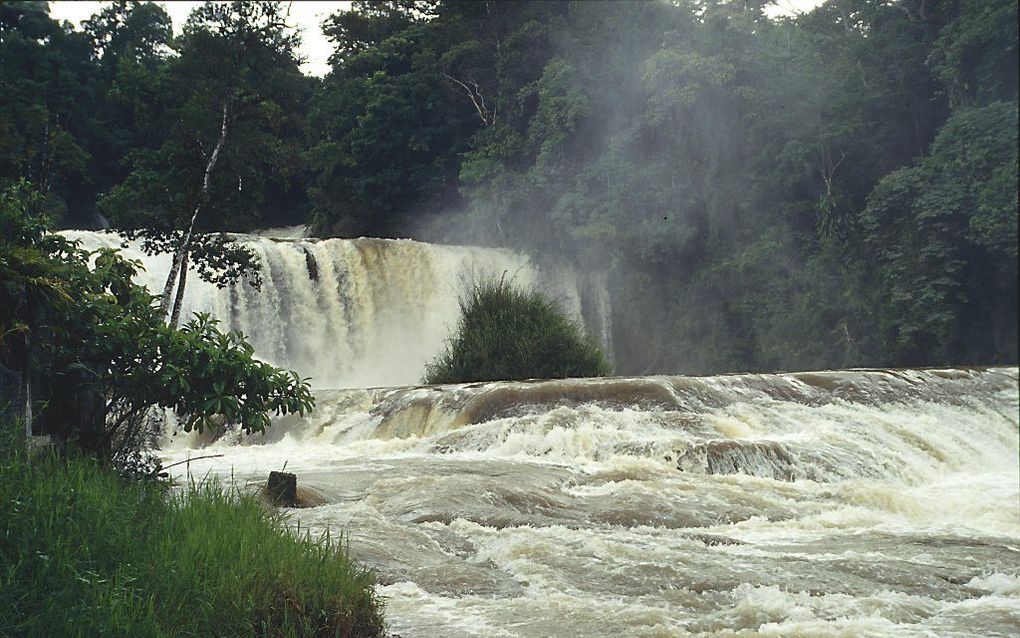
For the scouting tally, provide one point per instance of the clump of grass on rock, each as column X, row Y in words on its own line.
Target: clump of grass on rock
column 509, row 332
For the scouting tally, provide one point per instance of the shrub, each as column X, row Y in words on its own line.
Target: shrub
column 509, row 332
column 85, row 553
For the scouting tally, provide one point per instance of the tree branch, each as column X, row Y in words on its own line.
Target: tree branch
column 190, row 459
column 476, row 99
column 180, row 258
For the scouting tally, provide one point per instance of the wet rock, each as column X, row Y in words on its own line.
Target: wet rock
column 309, row 498
column 312, row 266
column 281, row 489
column 764, row 459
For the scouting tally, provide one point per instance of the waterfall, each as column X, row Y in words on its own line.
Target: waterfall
column 358, row 312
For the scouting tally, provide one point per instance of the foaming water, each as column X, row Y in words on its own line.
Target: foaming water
column 858, row 503
column 357, row 312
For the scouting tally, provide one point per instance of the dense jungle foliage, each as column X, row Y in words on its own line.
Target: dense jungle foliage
column 837, row 188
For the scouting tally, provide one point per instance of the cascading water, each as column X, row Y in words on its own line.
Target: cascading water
column 858, row 503
column 358, row 312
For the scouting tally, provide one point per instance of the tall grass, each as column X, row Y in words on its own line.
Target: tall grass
column 85, row 553
column 507, row 331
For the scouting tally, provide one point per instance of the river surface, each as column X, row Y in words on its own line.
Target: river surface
column 849, row 503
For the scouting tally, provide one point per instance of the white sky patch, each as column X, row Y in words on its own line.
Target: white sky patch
column 306, row 16
column 791, row 7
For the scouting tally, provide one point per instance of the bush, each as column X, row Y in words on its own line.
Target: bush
column 85, row 553
column 509, row 332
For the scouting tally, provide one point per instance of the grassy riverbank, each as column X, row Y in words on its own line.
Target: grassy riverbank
column 85, row 553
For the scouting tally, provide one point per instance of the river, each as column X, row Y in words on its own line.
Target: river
column 849, row 503
column 842, row 503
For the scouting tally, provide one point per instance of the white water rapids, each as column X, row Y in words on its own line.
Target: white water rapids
column 848, row 503
column 860, row 503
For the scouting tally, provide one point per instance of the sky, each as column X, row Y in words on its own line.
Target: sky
column 790, row 7
column 307, row 16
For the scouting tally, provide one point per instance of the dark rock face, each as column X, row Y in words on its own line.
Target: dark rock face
column 312, row 266
column 282, row 489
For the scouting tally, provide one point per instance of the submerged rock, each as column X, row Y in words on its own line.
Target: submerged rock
column 764, row 459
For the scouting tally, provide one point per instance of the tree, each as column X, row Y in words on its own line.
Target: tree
column 31, row 285
column 944, row 234
column 975, row 56
column 130, row 49
column 129, row 31
column 103, row 357
column 48, row 110
column 249, row 40
column 238, row 115
column 388, row 125
column 369, row 24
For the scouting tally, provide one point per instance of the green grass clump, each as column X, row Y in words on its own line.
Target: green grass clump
column 509, row 332
column 86, row 553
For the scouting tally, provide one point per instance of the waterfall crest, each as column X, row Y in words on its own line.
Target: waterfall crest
column 819, row 426
column 359, row 312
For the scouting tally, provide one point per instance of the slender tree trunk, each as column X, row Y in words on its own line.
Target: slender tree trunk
column 181, row 255
column 26, row 387
column 175, row 316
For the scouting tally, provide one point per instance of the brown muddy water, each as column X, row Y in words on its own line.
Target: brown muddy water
column 849, row 503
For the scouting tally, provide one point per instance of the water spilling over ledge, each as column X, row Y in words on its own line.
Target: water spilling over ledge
column 838, row 503
column 359, row 312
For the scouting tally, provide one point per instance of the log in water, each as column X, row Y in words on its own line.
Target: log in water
column 860, row 503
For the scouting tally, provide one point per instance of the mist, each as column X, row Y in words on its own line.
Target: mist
column 750, row 190
column 724, row 172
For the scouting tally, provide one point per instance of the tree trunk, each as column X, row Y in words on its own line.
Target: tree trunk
column 181, row 255
column 175, row 316
column 26, row 389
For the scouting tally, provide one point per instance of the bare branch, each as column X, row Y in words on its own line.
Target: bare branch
column 829, row 167
column 181, row 256
column 476, row 99
column 190, row 459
